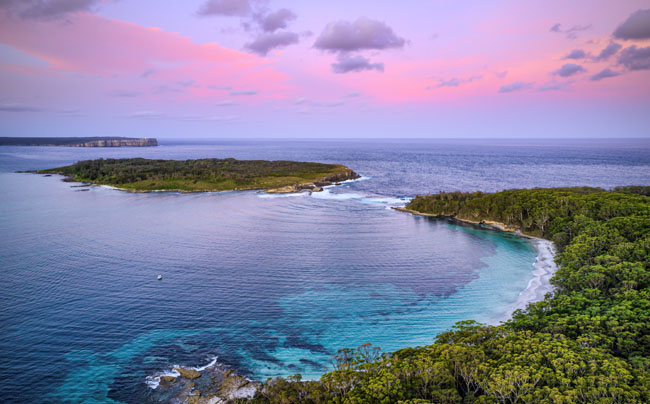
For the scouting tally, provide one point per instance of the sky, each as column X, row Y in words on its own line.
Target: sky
column 325, row 69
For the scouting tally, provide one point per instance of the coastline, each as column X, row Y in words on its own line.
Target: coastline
column 216, row 382
column 487, row 223
column 540, row 284
column 544, row 266
column 208, row 384
column 266, row 182
column 313, row 186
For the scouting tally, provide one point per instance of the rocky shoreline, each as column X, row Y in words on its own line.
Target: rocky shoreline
column 204, row 175
column 316, row 186
column 487, row 223
column 210, row 384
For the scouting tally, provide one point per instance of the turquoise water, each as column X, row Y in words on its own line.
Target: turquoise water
column 269, row 285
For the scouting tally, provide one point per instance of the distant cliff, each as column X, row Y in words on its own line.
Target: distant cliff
column 79, row 141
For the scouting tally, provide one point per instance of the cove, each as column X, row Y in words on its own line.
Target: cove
column 271, row 286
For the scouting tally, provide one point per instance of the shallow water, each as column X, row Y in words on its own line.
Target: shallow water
column 272, row 285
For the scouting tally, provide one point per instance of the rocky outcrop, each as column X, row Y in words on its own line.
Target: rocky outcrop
column 486, row 223
column 214, row 384
column 188, row 373
column 338, row 177
column 316, row 186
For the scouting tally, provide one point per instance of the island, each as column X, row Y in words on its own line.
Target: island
column 586, row 342
column 79, row 141
column 205, row 175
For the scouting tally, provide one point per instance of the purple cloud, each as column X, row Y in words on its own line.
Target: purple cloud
column 148, row 73
column 610, row 50
column 17, row 107
column 215, row 87
column 568, row 70
column 276, row 20
column 634, row 58
column 188, row 83
column 148, row 114
column 572, row 32
column 576, row 54
column 364, row 33
column 454, row 82
column 165, row 89
column 225, row 7
column 555, row 85
column 516, row 86
column 268, row 41
column 243, row 92
column 124, row 94
column 39, row 9
column 346, row 64
column 606, row 73
column 637, row 26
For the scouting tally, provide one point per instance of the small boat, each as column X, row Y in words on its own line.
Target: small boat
column 160, row 277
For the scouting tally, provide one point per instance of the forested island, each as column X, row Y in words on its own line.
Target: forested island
column 587, row 342
column 79, row 141
column 205, row 175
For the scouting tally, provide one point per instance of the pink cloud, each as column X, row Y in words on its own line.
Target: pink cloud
column 90, row 44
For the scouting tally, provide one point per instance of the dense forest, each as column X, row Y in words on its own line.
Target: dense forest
column 200, row 175
column 587, row 342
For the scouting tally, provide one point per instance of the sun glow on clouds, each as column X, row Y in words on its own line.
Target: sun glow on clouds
column 94, row 45
column 278, row 53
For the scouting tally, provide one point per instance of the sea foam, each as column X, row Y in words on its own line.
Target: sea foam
column 154, row 381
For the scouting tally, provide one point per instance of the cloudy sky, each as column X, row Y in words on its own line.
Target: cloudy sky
column 315, row 69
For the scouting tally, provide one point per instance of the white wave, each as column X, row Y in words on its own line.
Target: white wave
column 154, row 381
column 341, row 196
column 362, row 178
column 111, row 187
column 540, row 284
column 330, row 192
column 209, row 365
column 368, row 199
column 266, row 195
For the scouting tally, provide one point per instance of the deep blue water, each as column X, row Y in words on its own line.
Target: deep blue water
column 270, row 285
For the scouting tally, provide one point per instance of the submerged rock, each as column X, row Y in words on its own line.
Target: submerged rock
column 167, row 379
column 214, row 384
column 190, row 374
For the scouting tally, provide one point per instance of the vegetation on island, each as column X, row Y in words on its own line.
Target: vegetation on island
column 587, row 342
column 138, row 174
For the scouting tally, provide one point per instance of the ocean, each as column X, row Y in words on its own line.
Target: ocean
column 271, row 285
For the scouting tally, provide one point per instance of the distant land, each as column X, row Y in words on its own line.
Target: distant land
column 79, row 141
column 206, row 175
